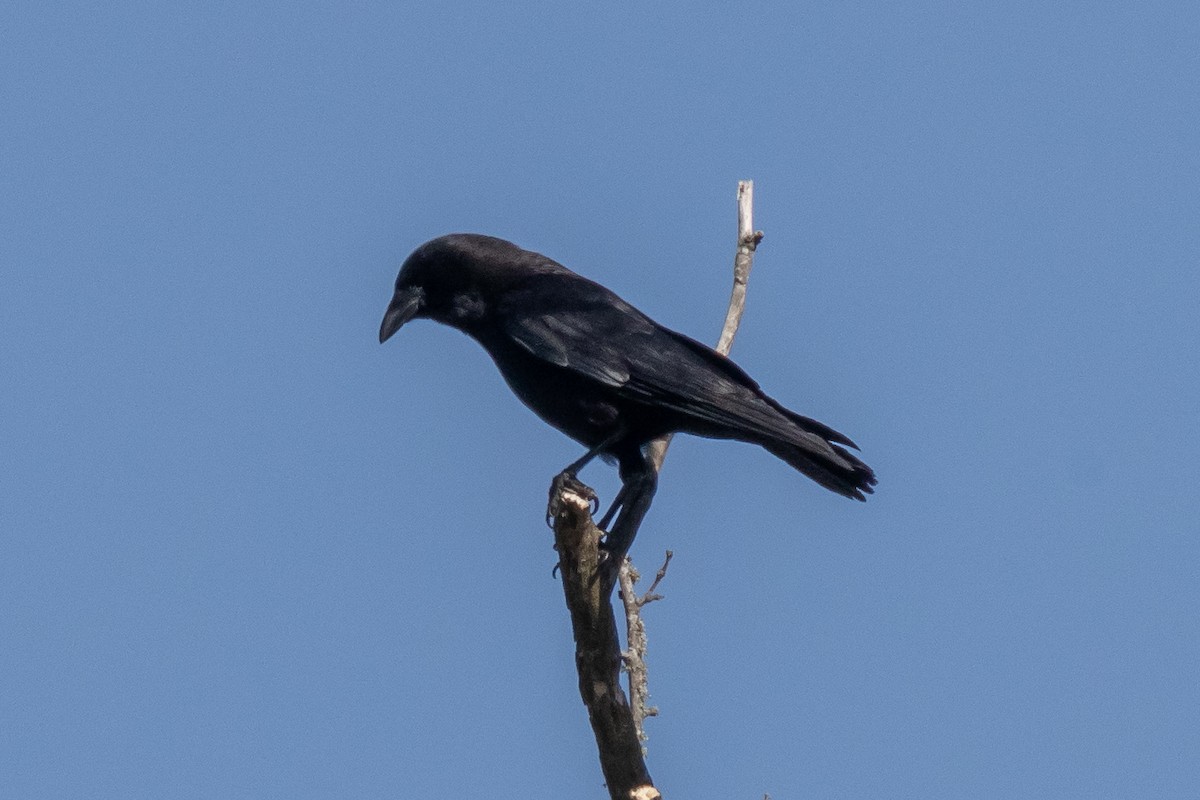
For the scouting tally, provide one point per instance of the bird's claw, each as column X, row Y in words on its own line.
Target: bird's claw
column 566, row 481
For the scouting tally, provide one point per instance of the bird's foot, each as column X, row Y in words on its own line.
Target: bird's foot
column 567, row 482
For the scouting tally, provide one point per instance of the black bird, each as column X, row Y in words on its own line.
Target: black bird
column 603, row 372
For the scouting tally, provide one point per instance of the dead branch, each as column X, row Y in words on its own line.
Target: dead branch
column 587, row 586
column 588, row 583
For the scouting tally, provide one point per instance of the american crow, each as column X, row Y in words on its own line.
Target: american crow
column 603, row 372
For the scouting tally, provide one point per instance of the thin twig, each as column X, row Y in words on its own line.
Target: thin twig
column 743, row 262
column 650, row 596
column 634, row 656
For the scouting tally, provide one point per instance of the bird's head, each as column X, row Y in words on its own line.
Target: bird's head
column 452, row 279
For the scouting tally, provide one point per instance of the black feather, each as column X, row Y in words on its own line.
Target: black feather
column 603, row 372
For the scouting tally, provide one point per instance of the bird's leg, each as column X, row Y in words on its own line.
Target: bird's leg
column 617, row 502
column 583, row 460
column 639, row 481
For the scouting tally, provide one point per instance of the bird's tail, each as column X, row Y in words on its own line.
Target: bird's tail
column 819, row 454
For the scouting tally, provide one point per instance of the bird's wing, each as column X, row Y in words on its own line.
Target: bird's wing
column 584, row 327
column 584, row 340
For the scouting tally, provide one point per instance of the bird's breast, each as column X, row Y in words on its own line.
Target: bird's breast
column 580, row 407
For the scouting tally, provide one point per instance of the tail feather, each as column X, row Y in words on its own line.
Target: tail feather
column 812, row 426
column 827, row 463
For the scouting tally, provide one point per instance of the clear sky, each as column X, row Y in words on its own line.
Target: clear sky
column 247, row 552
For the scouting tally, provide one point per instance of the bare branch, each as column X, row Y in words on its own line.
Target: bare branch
column 635, row 630
column 587, row 586
column 650, row 596
column 743, row 262
column 634, row 655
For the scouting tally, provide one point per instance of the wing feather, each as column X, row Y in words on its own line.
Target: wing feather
column 581, row 326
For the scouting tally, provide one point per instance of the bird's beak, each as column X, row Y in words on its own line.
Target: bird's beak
column 404, row 306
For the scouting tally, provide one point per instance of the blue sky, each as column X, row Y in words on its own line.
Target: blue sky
column 246, row 552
